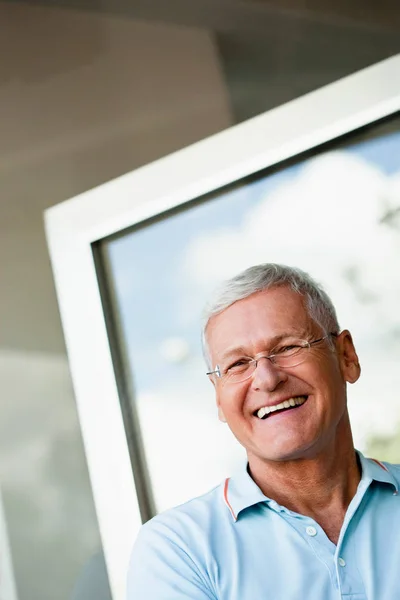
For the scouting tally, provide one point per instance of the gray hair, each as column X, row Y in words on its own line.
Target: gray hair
column 262, row 277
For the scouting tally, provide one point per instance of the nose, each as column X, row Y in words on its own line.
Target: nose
column 267, row 376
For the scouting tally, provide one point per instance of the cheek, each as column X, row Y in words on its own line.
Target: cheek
column 230, row 401
column 334, row 376
column 326, row 369
column 329, row 384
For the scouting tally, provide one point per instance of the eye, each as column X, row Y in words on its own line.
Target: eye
column 238, row 365
column 287, row 350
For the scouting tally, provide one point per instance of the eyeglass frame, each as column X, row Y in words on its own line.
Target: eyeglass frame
column 219, row 375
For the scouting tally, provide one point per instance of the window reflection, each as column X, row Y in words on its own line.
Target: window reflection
column 336, row 215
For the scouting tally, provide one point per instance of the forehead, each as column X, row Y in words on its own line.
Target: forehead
column 259, row 318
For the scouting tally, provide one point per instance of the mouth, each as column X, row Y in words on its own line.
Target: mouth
column 286, row 405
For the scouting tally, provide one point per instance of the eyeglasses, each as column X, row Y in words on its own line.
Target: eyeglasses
column 284, row 357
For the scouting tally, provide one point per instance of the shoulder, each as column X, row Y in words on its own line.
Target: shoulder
column 172, row 554
column 188, row 523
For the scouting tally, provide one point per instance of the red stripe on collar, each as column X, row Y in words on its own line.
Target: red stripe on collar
column 226, row 498
column 378, row 462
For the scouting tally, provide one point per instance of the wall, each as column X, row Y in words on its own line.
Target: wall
column 264, row 71
column 84, row 98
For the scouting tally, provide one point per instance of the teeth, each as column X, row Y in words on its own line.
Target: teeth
column 266, row 410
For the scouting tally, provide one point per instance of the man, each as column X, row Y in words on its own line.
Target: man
column 310, row 518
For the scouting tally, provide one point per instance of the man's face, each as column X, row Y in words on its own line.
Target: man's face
column 258, row 325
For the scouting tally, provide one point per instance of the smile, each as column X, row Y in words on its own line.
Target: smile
column 263, row 412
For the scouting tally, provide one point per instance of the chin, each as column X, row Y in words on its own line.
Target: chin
column 287, row 452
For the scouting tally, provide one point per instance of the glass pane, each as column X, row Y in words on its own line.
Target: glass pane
column 336, row 215
column 48, row 505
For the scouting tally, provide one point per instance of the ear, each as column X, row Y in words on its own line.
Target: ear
column 349, row 362
column 221, row 415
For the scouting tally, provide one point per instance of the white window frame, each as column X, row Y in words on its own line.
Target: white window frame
column 8, row 589
column 73, row 226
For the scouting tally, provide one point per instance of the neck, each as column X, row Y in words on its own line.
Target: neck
column 319, row 485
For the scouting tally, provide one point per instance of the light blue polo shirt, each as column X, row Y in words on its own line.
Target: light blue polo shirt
column 234, row 543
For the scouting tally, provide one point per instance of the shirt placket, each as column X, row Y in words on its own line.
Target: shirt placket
column 337, row 559
column 314, row 536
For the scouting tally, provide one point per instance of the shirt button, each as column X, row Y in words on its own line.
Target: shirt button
column 342, row 562
column 311, row 531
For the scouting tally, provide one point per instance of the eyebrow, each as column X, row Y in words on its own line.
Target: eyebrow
column 271, row 343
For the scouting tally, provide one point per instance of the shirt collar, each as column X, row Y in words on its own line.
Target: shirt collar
column 375, row 470
column 240, row 491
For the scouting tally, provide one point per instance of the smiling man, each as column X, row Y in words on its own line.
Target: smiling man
column 309, row 517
